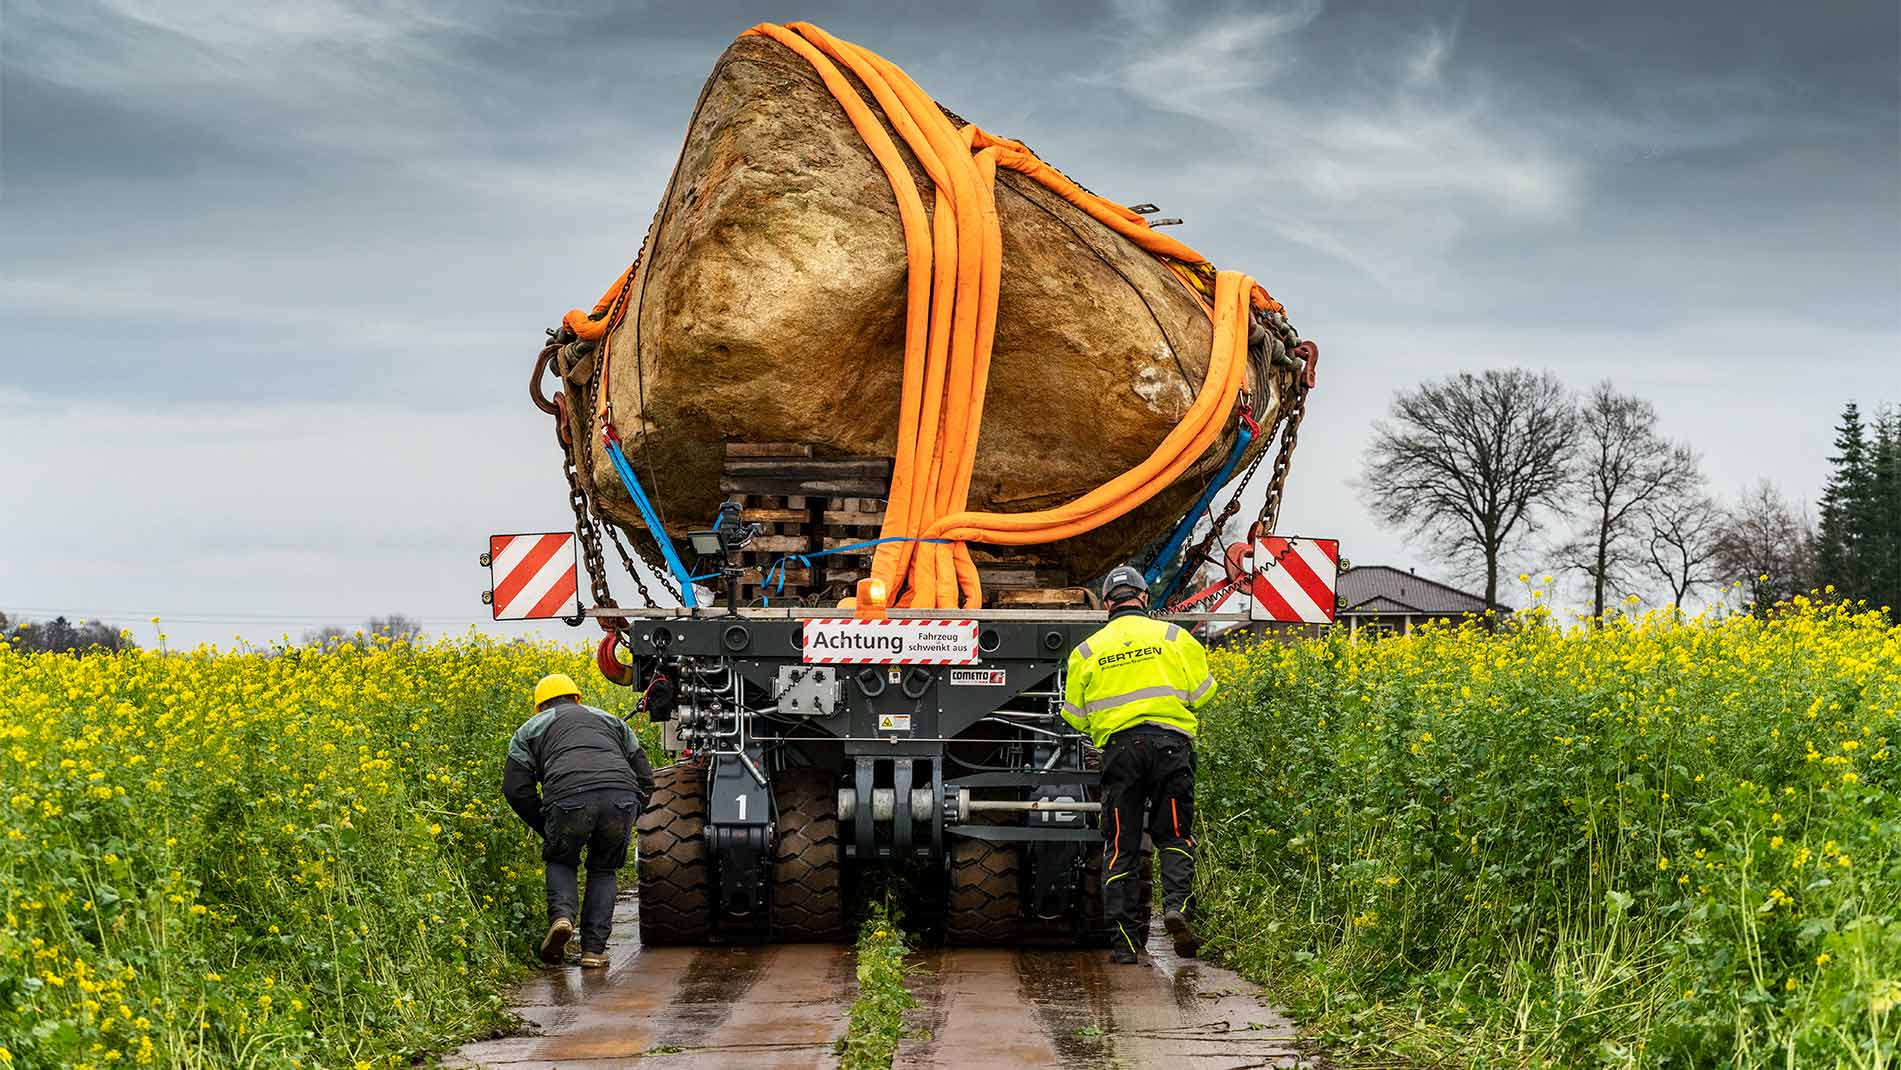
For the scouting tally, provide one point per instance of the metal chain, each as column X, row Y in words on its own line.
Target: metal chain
column 1201, row 550
column 1194, row 605
column 659, row 569
column 1288, row 421
column 574, row 428
column 589, row 531
column 648, row 557
column 586, row 528
column 1290, row 437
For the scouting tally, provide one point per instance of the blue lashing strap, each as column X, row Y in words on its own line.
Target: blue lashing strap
column 647, row 514
column 1176, row 538
column 779, row 567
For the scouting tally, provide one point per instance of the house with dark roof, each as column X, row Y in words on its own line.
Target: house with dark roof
column 1381, row 599
column 1378, row 600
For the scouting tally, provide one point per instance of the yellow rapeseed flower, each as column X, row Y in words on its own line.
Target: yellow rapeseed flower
column 1887, row 994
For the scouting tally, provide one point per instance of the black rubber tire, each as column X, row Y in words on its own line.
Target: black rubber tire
column 808, row 889
column 676, row 905
column 985, row 893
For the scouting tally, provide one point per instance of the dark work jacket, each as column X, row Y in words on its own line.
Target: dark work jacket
column 572, row 750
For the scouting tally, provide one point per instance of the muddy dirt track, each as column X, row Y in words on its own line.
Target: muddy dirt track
column 783, row 1007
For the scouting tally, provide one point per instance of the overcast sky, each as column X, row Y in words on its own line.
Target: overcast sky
column 272, row 275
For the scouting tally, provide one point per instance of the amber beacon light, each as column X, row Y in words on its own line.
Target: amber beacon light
column 870, row 603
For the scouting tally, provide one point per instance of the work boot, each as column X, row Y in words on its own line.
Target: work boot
column 553, row 944
column 1122, row 956
column 593, row 960
column 1187, row 943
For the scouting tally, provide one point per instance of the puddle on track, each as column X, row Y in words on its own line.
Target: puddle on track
column 682, row 1008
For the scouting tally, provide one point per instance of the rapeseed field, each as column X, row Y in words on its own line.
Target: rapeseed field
column 1654, row 843
column 287, row 858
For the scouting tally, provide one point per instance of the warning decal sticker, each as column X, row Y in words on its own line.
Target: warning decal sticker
column 978, row 677
column 848, row 641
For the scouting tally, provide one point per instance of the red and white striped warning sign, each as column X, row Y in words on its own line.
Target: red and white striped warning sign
column 850, row 641
column 1293, row 579
column 533, row 576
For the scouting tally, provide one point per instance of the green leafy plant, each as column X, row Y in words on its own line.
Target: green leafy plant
column 877, row 1015
column 290, row 858
column 1648, row 844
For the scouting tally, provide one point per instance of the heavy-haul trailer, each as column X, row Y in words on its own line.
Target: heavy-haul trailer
column 810, row 747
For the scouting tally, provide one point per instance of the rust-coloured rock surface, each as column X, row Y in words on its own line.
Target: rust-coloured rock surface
column 770, row 308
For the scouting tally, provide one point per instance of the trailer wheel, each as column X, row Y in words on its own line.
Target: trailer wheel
column 675, row 904
column 808, row 895
column 985, row 893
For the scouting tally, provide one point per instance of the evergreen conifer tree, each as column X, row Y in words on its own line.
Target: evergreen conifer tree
column 1846, row 507
column 1881, row 522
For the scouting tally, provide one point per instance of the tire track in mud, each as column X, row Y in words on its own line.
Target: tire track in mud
column 1081, row 1030
column 991, row 1008
column 710, row 988
column 763, row 1008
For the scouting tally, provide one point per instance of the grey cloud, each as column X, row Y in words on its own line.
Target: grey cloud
column 315, row 244
column 1431, row 162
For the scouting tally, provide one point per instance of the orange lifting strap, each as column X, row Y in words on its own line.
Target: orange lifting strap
column 955, row 258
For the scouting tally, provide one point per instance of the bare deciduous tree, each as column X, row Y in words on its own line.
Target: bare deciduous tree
column 1625, row 466
column 1471, row 460
column 328, row 637
column 1681, row 548
column 61, row 636
column 1765, row 545
column 394, row 626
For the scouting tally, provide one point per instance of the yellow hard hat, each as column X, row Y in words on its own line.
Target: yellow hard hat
column 555, row 685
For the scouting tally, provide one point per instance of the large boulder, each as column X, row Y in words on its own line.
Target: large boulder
column 770, row 308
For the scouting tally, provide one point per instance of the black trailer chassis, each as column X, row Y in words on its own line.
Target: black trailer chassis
column 791, row 777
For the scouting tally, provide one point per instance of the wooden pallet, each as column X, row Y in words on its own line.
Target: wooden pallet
column 805, row 504
column 786, row 491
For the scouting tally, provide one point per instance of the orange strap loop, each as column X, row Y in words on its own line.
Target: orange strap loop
column 955, row 259
column 1198, row 430
column 954, row 255
column 593, row 326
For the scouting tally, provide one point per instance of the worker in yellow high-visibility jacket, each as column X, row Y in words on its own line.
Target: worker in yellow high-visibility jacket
column 1135, row 687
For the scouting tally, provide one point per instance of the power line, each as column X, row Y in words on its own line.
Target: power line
column 233, row 617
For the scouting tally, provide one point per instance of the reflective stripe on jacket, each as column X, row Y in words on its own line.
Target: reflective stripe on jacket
column 1136, row 670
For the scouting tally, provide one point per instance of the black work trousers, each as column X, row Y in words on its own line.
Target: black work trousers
column 601, row 824
column 1148, row 784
